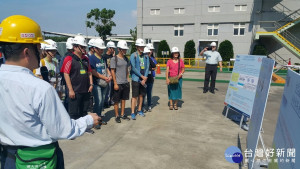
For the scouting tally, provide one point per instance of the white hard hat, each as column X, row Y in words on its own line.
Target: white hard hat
column 110, row 44
column 91, row 42
column 69, row 43
column 79, row 40
column 140, row 42
column 147, row 50
column 99, row 43
column 122, row 44
column 213, row 44
column 174, row 50
column 150, row 46
column 50, row 46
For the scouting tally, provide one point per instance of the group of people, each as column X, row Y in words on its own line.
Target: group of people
column 92, row 78
column 33, row 117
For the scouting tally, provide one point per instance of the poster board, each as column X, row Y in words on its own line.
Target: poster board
column 242, row 86
column 260, row 101
column 286, row 142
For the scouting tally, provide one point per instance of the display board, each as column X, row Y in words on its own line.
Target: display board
column 286, row 140
column 242, row 86
column 260, row 101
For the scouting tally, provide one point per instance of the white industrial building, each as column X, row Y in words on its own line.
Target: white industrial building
column 273, row 23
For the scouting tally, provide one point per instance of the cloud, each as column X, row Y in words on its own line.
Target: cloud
column 133, row 13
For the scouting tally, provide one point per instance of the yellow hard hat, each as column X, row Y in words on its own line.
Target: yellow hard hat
column 20, row 29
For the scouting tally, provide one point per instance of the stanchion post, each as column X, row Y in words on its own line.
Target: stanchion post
column 242, row 119
column 227, row 109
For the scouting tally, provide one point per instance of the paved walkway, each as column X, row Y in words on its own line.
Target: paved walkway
column 196, row 136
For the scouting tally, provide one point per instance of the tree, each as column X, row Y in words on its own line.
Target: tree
column 226, row 50
column 101, row 20
column 259, row 50
column 163, row 46
column 189, row 49
column 133, row 33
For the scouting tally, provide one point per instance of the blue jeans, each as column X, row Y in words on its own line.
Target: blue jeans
column 149, row 94
column 99, row 96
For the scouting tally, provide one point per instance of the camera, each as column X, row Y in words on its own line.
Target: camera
column 209, row 48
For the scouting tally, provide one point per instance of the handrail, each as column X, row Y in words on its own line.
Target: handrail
column 288, row 42
column 192, row 62
column 297, row 12
column 281, row 60
column 292, row 38
column 280, row 24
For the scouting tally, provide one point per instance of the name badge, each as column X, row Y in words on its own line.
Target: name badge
column 82, row 71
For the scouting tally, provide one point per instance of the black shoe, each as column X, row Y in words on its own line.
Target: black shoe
column 125, row 118
column 106, row 105
column 205, row 91
column 118, row 120
column 97, row 127
column 212, row 91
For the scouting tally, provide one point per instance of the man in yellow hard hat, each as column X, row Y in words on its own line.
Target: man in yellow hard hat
column 32, row 116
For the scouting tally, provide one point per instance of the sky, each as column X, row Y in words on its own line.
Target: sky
column 69, row 16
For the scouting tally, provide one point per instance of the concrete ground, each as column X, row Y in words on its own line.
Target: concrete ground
column 195, row 136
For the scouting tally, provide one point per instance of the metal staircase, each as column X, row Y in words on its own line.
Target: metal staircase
column 282, row 35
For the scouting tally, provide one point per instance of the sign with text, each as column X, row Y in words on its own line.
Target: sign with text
column 287, row 138
column 244, row 78
column 260, row 101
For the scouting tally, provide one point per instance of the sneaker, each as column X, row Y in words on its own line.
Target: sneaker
column 125, row 117
column 118, row 120
column 205, row 91
column 141, row 113
column 144, row 110
column 149, row 109
column 212, row 91
column 97, row 127
column 90, row 131
column 133, row 116
column 103, row 122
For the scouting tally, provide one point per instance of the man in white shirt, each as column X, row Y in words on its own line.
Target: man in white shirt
column 213, row 58
column 31, row 113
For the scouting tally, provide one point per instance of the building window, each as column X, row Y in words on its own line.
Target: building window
column 179, row 10
column 178, row 30
column 148, row 40
column 239, row 29
column 212, row 29
column 240, row 8
column 154, row 11
column 214, row 9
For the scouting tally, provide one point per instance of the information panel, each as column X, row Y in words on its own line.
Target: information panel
column 260, row 101
column 286, row 142
column 244, row 78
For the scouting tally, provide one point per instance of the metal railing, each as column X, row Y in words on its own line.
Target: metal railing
column 193, row 62
column 292, row 16
column 282, row 8
column 292, row 38
column 275, row 25
column 278, row 58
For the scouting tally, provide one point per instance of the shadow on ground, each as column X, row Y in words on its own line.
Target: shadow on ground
column 234, row 116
